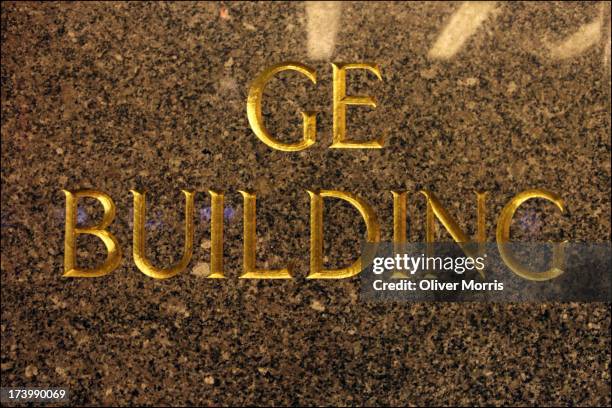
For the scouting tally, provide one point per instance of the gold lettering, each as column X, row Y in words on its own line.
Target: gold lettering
column 341, row 100
column 249, row 221
column 436, row 210
column 399, row 228
column 316, row 234
column 254, row 109
column 139, row 237
column 216, row 235
column 113, row 258
column 503, row 236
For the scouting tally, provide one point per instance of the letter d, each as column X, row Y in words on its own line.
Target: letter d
column 316, row 234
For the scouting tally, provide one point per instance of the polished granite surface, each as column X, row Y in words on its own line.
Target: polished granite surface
column 114, row 96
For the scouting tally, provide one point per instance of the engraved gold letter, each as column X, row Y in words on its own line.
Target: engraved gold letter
column 254, row 108
column 113, row 258
column 399, row 217
column 399, row 227
column 216, row 235
column 436, row 210
column 316, row 234
column 340, row 100
column 503, row 236
column 139, row 251
column 249, row 244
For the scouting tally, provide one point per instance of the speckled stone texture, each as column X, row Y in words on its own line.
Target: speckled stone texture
column 152, row 96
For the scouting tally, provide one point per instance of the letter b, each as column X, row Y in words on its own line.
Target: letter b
column 113, row 258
